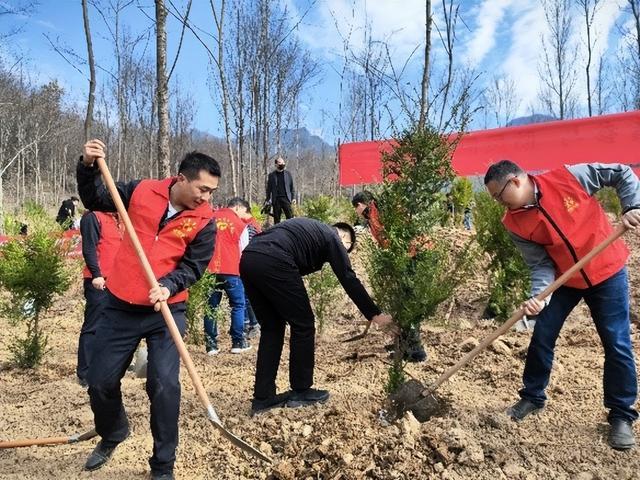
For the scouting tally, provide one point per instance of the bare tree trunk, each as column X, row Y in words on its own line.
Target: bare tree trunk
column 92, row 72
column 589, row 8
column 164, row 166
column 424, row 97
column 450, row 18
column 225, row 94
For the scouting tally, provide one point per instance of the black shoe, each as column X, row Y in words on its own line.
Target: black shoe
column 260, row 405
column 415, row 355
column 307, row 397
column 99, row 457
column 621, row 434
column 162, row 476
column 521, row 409
column 240, row 346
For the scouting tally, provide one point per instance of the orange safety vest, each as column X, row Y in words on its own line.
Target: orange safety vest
column 569, row 223
column 111, row 231
column 164, row 247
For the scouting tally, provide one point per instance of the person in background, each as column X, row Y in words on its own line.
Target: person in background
column 231, row 239
column 280, row 191
column 251, row 325
column 101, row 236
column 67, row 212
column 555, row 219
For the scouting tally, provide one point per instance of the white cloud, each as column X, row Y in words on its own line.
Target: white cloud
column 400, row 23
column 489, row 15
column 521, row 62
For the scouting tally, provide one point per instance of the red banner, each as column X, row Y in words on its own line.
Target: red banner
column 543, row 146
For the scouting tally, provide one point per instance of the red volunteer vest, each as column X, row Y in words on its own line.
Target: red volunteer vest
column 226, row 254
column 164, row 248
column 111, row 232
column 375, row 226
column 569, row 224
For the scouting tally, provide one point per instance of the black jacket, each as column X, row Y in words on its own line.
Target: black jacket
column 272, row 185
column 309, row 244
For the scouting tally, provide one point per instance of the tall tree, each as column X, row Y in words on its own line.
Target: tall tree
column 424, row 96
column 92, row 72
column 589, row 9
column 501, row 98
column 558, row 63
column 162, row 90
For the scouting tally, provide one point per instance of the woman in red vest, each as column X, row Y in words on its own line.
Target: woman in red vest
column 173, row 221
column 101, row 236
column 555, row 220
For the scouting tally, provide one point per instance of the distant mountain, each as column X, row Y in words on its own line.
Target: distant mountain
column 291, row 138
column 305, row 140
column 535, row 118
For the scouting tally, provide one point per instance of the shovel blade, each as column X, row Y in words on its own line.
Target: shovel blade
column 238, row 442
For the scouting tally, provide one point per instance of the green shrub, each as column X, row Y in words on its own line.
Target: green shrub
column 417, row 270
column 509, row 276
column 462, row 196
column 320, row 208
column 323, row 292
column 33, row 271
column 198, row 307
column 608, row 198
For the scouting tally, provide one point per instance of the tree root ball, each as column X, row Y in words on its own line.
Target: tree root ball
column 413, row 397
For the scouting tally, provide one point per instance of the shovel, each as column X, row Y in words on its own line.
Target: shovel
column 518, row 314
column 171, row 324
column 49, row 440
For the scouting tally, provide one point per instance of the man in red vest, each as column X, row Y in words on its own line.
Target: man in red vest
column 232, row 236
column 101, row 236
column 555, row 220
column 173, row 221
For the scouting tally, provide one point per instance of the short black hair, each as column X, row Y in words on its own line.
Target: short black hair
column 347, row 228
column 364, row 197
column 195, row 162
column 500, row 170
column 236, row 202
column 74, row 199
column 247, row 205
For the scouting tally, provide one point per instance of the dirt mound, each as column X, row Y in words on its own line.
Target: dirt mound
column 349, row 437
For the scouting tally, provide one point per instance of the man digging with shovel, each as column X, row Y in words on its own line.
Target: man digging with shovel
column 555, row 220
column 173, row 221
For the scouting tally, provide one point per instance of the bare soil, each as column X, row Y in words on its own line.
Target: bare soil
column 347, row 438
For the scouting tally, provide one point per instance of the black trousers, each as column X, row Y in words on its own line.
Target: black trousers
column 95, row 302
column 117, row 338
column 281, row 204
column 278, row 296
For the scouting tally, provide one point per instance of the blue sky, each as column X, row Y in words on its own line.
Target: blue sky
column 496, row 36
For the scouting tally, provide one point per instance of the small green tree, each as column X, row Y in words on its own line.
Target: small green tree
column 323, row 293
column 462, row 196
column 608, row 198
column 509, row 277
column 322, row 286
column 33, row 271
column 198, row 307
column 416, row 270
